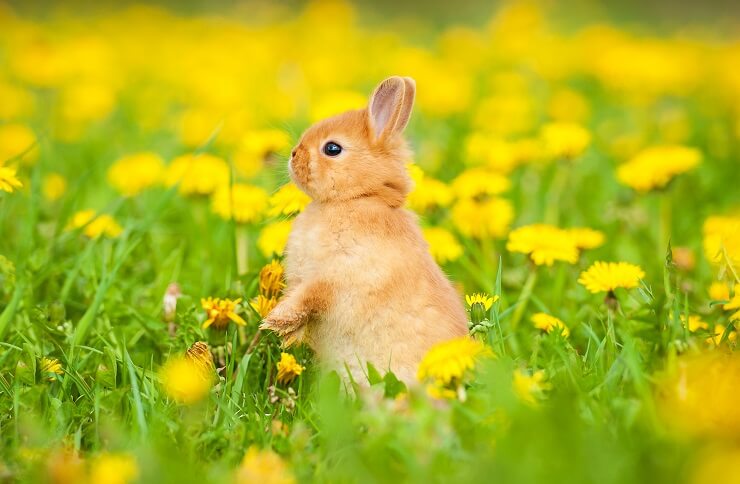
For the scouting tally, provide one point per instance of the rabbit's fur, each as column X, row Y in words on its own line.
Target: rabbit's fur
column 361, row 283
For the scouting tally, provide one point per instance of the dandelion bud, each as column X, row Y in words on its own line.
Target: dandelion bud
column 50, row 368
column 479, row 305
column 200, row 354
column 477, row 313
column 169, row 302
column 271, row 279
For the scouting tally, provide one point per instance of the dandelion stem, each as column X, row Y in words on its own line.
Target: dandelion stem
column 255, row 341
column 524, row 297
column 611, row 335
column 664, row 237
column 242, row 249
column 559, row 182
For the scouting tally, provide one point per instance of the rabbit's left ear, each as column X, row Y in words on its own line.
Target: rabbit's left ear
column 390, row 106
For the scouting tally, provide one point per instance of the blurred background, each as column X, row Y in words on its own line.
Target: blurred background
column 235, row 75
column 143, row 146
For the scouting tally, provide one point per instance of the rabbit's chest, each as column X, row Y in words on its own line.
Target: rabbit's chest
column 340, row 249
column 318, row 249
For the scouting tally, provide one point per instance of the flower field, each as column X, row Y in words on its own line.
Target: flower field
column 575, row 176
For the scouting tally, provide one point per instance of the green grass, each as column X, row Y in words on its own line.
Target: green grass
column 96, row 305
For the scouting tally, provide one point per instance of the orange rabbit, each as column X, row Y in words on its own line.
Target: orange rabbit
column 361, row 283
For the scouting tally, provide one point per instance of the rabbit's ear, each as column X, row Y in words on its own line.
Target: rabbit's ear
column 390, row 106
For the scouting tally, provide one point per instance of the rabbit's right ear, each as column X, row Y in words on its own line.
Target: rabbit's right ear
column 390, row 106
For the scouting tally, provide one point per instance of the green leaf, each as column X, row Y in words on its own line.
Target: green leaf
column 393, row 386
column 373, row 375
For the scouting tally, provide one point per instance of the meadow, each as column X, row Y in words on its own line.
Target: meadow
column 576, row 176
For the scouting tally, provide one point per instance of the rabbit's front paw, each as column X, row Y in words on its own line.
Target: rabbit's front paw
column 288, row 324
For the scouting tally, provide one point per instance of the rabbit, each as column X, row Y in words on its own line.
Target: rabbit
column 361, row 285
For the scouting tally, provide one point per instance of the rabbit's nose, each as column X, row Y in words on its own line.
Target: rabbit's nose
column 292, row 153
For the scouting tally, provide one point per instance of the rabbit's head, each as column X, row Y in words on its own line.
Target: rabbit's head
column 359, row 153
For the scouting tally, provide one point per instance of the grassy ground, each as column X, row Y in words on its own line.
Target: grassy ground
column 539, row 119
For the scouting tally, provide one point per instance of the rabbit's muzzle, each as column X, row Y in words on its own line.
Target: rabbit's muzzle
column 299, row 165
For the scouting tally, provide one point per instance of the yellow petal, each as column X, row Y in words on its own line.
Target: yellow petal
column 237, row 319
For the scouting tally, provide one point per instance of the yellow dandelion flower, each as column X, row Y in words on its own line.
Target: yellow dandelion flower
column 95, row 225
column 288, row 368
column 722, row 239
column 198, row 174
column 565, row 140
column 483, row 219
column 608, row 276
column 654, row 167
column 288, row 200
column 132, row 174
column 548, row 323
column 494, row 153
column 733, row 303
column 263, row 466
column 720, row 291
column 699, row 395
column 18, row 142
column 84, row 102
column 257, row 146
column 8, row 179
column 449, row 361
column 544, row 244
column 719, row 330
column 695, row 322
column 440, row 392
column 712, row 464
column 443, row 246
column 271, row 278
column 428, row 193
column 530, row 387
column 507, row 113
column 17, row 102
column 479, row 182
column 51, row 367
column 246, row 203
column 335, row 102
column 184, row 379
column 200, row 354
column 273, row 238
column 197, row 125
column 568, row 105
column 585, row 238
column 110, row 468
column 498, row 155
column 479, row 298
column 527, row 150
column 263, row 305
column 220, row 311
column 54, row 187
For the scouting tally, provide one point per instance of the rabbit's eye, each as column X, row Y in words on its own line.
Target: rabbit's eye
column 332, row 149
